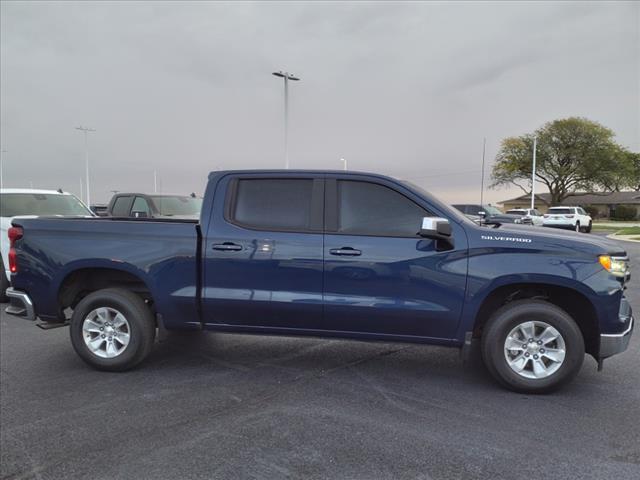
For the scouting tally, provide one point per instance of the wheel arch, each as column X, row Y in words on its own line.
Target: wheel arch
column 575, row 302
column 79, row 282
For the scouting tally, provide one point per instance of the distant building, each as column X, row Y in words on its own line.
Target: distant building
column 604, row 203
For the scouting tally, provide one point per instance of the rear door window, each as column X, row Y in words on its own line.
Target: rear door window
column 274, row 204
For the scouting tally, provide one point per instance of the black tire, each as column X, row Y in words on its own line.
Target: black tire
column 588, row 230
column 503, row 321
column 142, row 328
column 577, row 228
column 4, row 284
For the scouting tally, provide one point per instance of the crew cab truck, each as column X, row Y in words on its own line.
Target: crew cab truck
column 330, row 254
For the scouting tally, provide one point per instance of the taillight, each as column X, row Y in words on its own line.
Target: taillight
column 13, row 260
column 15, row 234
column 568, row 216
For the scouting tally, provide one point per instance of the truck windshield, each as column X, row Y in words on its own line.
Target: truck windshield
column 17, row 204
column 177, row 206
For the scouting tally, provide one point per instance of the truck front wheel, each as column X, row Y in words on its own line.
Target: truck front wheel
column 532, row 346
column 112, row 329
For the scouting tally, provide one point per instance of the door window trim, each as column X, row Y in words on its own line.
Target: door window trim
column 316, row 209
column 332, row 209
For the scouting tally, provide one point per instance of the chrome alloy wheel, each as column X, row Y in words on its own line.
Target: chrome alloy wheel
column 534, row 350
column 106, row 332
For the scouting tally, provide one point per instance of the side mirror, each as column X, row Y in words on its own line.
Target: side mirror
column 482, row 213
column 436, row 227
column 137, row 214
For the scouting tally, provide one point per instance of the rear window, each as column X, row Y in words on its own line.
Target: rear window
column 273, row 204
column 16, row 204
column 560, row 211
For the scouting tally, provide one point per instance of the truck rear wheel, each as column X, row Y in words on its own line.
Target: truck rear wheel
column 532, row 346
column 112, row 329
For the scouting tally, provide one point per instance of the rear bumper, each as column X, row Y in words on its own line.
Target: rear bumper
column 20, row 304
column 614, row 343
column 568, row 226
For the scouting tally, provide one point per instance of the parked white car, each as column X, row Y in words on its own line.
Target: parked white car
column 25, row 202
column 528, row 214
column 574, row 218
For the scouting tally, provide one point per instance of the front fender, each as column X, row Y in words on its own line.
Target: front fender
column 478, row 292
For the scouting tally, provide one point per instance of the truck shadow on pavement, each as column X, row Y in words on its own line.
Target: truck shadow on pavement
column 207, row 351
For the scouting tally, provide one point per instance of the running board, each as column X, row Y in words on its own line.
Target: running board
column 49, row 325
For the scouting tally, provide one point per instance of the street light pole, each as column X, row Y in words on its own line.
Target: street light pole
column 344, row 160
column 286, row 76
column 1, row 163
column 533, row 174
column 86, row 130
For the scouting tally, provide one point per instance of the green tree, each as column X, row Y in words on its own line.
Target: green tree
column 634, row 177
column 573, row 154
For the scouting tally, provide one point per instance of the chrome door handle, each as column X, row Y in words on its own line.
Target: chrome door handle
column 227, row 247
column 345, row 251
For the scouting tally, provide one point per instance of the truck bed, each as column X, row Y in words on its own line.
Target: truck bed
column 161, row 252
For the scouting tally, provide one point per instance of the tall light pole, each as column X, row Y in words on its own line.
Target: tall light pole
column 533, row 174
column 344, row 160
column 1, row 163
column 86, row 130
column 286, row 76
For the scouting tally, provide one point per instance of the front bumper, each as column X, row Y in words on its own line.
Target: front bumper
column 20, row 304
column 614, row 343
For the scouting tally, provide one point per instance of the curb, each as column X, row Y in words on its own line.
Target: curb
column 624, row 238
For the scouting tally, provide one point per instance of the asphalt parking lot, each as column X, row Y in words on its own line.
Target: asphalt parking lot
column 235, row 406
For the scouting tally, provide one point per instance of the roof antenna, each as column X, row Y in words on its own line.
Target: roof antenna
column 60, row 190
column 193, row 195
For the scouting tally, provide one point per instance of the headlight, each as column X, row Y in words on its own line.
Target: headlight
column 618, row 266
column 517, row 220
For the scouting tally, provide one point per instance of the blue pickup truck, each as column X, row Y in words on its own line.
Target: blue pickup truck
column 331, row 254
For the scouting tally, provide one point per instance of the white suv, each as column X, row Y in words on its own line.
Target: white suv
column 529, row 215
column 21, row 202
column 574, row 218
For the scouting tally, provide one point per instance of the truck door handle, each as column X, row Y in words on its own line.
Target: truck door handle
column 227, row 247
column 345, row 251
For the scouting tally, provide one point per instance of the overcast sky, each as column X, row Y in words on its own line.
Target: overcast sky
column 407, row 89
